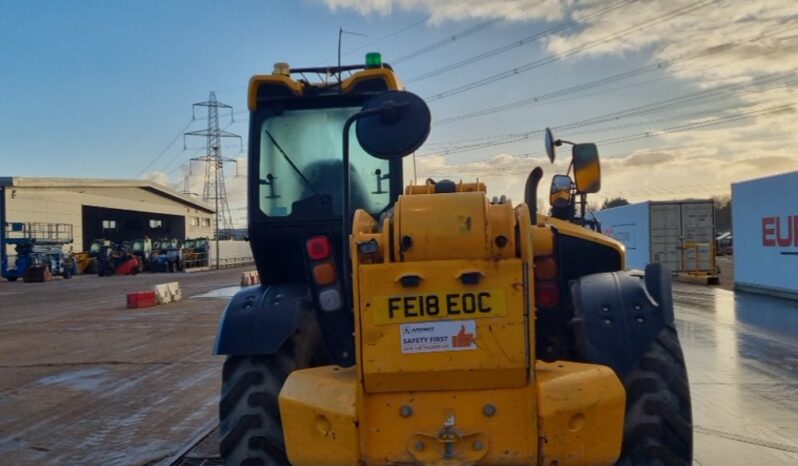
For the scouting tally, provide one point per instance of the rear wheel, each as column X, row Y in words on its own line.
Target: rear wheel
column 250, row 428
column 658, row 428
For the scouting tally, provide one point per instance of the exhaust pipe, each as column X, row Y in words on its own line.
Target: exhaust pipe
column 531, row 193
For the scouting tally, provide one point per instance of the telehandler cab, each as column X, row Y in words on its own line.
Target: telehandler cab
column 430, row 326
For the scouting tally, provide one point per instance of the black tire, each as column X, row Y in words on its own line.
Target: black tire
column 67, row 272
column 250, row 429
column 12, row 279
column 658, row 428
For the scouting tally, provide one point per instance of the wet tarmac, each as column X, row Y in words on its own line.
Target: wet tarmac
column 742, row 358
column 84, row 381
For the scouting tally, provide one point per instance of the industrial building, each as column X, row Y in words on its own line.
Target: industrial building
column 116, row 210
column 765, row 232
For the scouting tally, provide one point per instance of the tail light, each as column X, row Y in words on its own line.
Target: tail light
column 318, row 247
column 323, row 276
column 547, row 293
column 330, row 299
column 547, row 287
column 546, row 268
column 324, row 273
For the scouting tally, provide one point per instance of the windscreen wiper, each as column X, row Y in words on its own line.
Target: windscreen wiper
column 290, row 162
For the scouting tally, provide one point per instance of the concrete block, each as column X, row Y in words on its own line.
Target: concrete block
column 162, row 293
column 250, row 278
column 174, row 291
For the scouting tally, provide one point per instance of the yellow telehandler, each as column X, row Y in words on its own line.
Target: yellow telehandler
column 427, row 324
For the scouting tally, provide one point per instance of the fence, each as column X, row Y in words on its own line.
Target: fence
column 231, row 254
column 39, row 232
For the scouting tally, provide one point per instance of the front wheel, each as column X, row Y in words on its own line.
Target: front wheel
column 250, row 429
column 658, row 428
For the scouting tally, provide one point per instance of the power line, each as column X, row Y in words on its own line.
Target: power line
column 703, row 124
column 195, row 151
column 521, row 42
column 573, row 92
column 675, row 129
column 538, row 99
column 385, row 37
column 662, row 65
column 570, row 52
column 467, row 32
column 674, row 103
column 168, row 146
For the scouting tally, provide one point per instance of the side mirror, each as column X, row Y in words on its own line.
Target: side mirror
column 550, row 145
column 393, row 124
column 390, row 126
column 587, row 170
column 560, row 193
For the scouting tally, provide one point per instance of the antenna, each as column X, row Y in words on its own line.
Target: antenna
column 341, row 32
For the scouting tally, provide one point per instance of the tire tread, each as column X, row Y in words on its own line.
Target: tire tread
column 658, row 427
column 250, row 428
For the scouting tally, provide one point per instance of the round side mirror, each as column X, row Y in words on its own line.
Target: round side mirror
column 399, row 125
column 550, row 145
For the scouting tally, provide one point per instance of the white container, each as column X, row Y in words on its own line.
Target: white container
column 679, row 234
column 765, row 232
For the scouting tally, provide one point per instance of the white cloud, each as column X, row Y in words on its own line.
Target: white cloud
column 748, row 39
column 159, row 177
column 692, row 170
column 753, row 37
column 454, row 10
column 235, row 186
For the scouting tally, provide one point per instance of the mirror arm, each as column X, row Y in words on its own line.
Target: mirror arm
column 560, row 142
column 347, row 199
column 346, row 223
column 583, row 201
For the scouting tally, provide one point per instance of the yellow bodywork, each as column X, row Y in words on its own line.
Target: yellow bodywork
column 445, row 335
column 297, row 88
column 84, row 261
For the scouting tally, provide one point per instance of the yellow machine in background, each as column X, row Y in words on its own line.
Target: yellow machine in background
column 429, row 325
column 84, row 260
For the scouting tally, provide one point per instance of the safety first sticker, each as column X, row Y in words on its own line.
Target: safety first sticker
column 444, row 335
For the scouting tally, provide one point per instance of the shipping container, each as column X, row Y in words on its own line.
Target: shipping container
column 765, row 229
column 679, row 234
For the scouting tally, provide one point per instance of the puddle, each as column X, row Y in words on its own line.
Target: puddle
column 85, row 379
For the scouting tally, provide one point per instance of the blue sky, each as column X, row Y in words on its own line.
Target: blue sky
column 99, row 88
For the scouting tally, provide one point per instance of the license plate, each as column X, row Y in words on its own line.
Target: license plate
column 439, row 306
